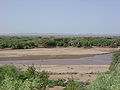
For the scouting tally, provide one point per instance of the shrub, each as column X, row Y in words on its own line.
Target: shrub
column 8, row 70
column 75, row 43
column 14, row 79
column 47, row 43
column 3, row 45
column 111, row 80
column 72, row 85
column 107, row 81
column 10, row 83
column 86, row 44
column 115, row 61
column 61, row 43
column 113, row 45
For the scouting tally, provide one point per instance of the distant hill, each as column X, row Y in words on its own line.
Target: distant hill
column 55, row 34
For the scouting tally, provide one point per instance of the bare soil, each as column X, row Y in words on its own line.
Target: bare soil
column 52, row 53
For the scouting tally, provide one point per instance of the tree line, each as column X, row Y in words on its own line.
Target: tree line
column 26, row 42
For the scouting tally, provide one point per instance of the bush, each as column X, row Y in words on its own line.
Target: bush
column 86, row 44
column 113, row 45
column 115, row 61
column 10, row 83
column 75, row 43
column 8, row 70
column 59, row 82
column 14, row 79
column 107, row 81
column 72, row 85
column 47, row 43
column 111, row 80
column 61, row 43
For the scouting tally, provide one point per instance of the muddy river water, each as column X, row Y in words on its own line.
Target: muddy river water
column 104, row 59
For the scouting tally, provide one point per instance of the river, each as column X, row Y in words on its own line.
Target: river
column 104, row 59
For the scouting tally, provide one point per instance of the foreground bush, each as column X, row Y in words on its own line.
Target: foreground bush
column 7, row 70
column 72, row 85
column 107, row 81
column 110, row 81
column 15, row 79
column 10, row 83
column 116, row 61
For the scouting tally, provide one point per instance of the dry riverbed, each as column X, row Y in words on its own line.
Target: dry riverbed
column 52, row 53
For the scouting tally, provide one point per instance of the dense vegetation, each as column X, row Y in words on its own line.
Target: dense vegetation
column 14, row 79
column 25, row 42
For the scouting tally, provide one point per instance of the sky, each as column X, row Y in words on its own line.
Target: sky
column 60, row 16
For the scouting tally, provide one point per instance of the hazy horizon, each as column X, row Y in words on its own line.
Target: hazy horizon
column 60, row 17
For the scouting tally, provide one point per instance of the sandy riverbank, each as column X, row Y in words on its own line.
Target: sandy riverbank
column 52, row 53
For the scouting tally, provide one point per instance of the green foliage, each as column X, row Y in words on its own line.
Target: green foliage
column 107, row 81
column 72, row 85
column 14, row 79
column 10, row 83
column 8, row 70
column 75, row 43
column 86, row 44
column 62, row 43
column 26, row 42
column 59, row 82
column 116, row 61
column 48, row 43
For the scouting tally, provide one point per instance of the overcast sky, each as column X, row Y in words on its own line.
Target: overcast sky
column 60, row 16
